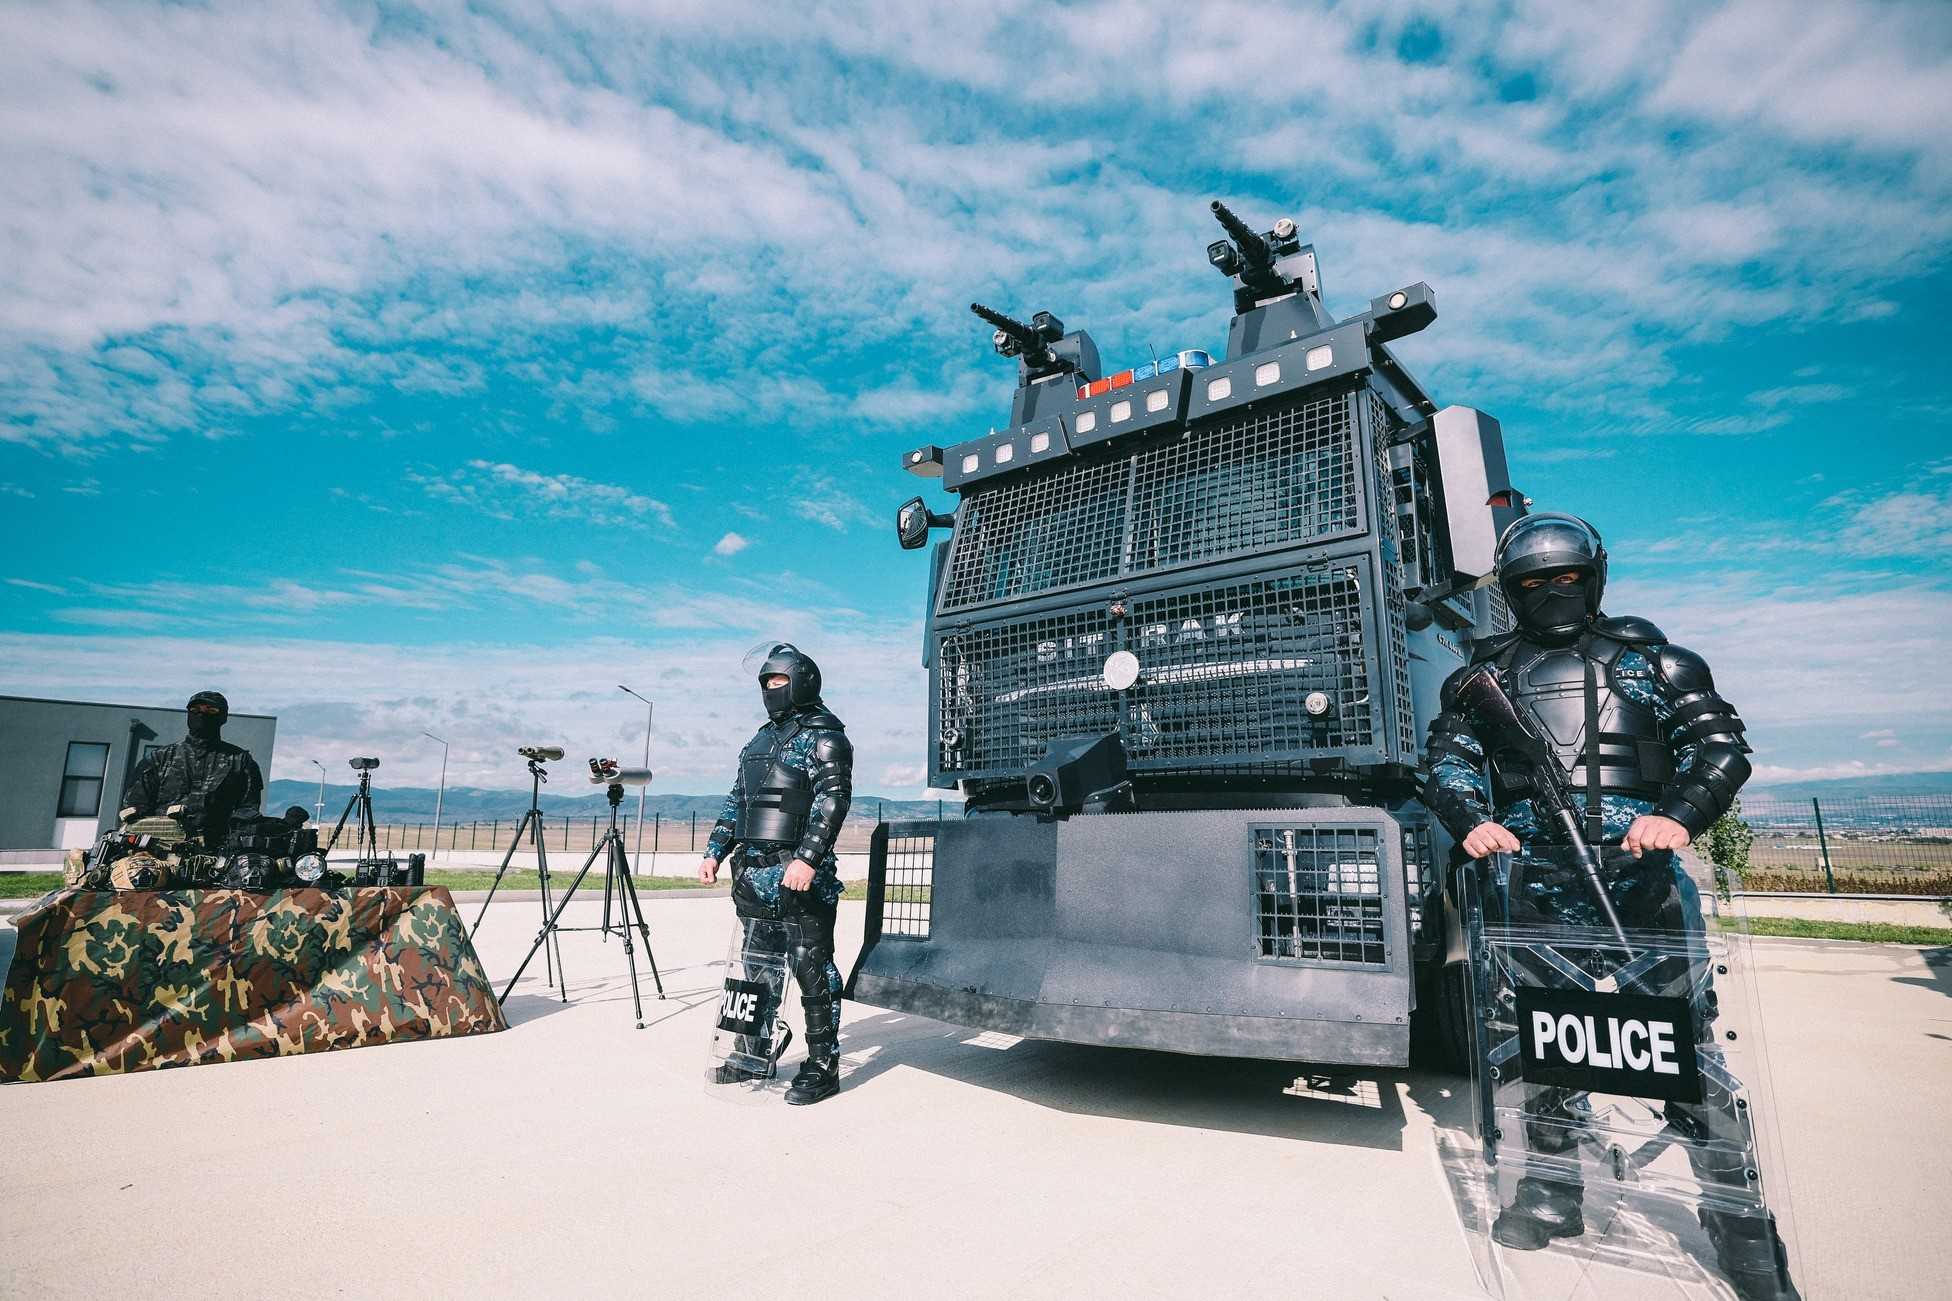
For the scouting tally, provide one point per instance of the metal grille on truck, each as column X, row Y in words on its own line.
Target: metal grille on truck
column 1225, row 672
column 1318, row 894
column 1256, row 480
column 908, row 880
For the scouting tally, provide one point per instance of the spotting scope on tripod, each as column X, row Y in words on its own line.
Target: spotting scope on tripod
column 618, row 889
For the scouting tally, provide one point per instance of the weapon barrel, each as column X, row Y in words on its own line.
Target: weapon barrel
column 1252, row 247
column 1031, row 344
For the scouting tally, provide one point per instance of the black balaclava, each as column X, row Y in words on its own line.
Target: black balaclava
column 208, row 727
column 802, row 681
column 1543, row 546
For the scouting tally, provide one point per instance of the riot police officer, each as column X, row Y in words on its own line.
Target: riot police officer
column 214, row 780
column 1656, row 756
column 778, row 827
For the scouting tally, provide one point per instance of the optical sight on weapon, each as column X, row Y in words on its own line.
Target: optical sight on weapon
column 363, row 764
column 540, row 753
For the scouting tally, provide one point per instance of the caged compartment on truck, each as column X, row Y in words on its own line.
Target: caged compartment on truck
column 1183, row 640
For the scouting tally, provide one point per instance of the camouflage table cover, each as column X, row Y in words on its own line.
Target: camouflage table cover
column 104, row 981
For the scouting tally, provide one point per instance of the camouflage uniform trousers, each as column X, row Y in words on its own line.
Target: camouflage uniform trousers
column 757, row 871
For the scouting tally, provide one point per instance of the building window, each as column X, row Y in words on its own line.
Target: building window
column 81, row 780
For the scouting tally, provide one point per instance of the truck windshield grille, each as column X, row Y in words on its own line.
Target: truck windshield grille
column 1261, row 479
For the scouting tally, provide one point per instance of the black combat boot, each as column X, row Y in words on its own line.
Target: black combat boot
column 727, row 1073
column 1751, row 1254
column 1542, row 1209
column 819, row 1075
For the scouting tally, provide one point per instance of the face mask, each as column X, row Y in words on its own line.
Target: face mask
column 779, row 700
column 206, row 727
column 1555, row 607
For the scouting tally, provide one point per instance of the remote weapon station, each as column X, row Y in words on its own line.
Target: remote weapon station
column 1183, row 642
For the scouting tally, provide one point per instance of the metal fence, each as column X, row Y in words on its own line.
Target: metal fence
column 1874, row 844
column 661, row 834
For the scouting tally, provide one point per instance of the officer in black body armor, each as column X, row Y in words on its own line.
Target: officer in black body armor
column 779, row 826
column 215, row 780
column 1657, row 756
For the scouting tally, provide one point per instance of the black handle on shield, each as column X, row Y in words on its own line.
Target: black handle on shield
column 1484, row 698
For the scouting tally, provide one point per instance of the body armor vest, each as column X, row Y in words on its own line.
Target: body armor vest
column 775, row 798
column 1618, row 733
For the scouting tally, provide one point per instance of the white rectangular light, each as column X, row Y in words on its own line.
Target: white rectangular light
column 1006, row 453
column 1319, row 358
column 1121, row 411
column 1218, row 389
column 1268, row 372
column 1087, row 421
column 970, row 462
column 1156, row 400
column 1040, row 443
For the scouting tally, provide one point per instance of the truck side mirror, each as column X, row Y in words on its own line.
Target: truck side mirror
column 913, row 522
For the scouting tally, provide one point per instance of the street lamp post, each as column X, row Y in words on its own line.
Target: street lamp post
column 642, row 791
column 318, row 810
column 440, row 796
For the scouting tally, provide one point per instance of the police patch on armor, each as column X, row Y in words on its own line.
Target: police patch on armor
column 1631, row 1045
column 747, row 1008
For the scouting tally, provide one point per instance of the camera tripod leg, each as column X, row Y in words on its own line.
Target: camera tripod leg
column 494, row 885
column 552, row 974
column 551, row 928
column 628, row 904
column 613, row 868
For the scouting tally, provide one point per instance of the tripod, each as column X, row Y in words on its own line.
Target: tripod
column 365, row 836
column 531, row 825
column 616, row 878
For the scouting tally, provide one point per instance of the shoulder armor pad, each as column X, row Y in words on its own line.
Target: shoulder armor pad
column 821, row 719
column 832, row 747
column 1484, row 648
column 1447, row 695
column 1683, row 669
column 1628, row 628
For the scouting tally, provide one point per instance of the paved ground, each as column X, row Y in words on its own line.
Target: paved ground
column 578, row 1156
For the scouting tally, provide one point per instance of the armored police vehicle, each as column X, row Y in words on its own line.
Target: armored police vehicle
column 1183, row 639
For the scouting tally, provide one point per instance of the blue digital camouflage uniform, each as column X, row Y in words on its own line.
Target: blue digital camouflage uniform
column 807, row 748
column 1460, row 793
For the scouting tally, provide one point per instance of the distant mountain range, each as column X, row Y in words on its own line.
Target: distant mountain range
column 1899, row 783
column 399, row 804
column 403, row 804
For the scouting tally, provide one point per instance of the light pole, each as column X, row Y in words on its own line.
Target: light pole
column 440, row 796
column 318, row 810
column 643, row 790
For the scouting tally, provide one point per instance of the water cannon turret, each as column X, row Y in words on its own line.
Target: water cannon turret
column 1043, row 352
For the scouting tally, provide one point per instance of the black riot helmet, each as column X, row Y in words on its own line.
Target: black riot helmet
column 207, row 713
column 1546, row 545
column 784, row 659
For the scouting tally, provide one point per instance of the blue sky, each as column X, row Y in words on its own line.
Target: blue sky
column 399, row 367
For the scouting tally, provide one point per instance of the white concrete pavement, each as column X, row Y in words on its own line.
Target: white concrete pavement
column 577, row 1156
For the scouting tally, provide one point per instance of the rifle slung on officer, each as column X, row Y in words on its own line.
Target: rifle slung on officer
column 1483, row 697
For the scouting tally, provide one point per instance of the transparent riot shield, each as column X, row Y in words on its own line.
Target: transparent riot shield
column 749, row 1030
column 1624, row 1141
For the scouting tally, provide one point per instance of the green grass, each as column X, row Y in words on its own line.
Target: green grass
column 31, row 885
column 1804, row 928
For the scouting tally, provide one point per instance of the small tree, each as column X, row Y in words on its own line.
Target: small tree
column 1727, row 846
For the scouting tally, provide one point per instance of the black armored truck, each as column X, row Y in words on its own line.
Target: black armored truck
column 1183, row 638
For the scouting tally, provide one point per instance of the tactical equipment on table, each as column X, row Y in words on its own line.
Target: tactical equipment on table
column 1482, row 697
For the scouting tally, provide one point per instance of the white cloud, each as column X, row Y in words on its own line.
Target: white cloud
column 509, row 492
column 730, row 545
column 338, row 698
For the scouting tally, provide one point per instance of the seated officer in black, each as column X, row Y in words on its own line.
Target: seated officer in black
column 214, row 780
column 779, row 825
